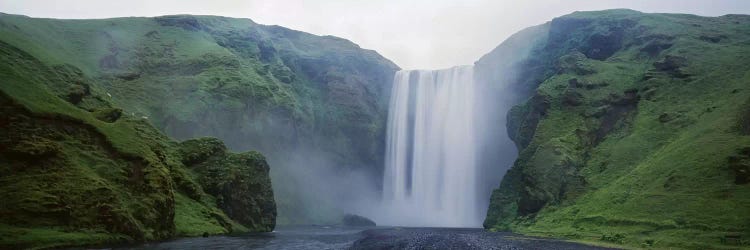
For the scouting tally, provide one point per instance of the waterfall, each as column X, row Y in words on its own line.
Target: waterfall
column 430, row 164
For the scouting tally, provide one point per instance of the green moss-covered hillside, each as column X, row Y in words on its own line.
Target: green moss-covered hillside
column 75, row 170
column 633, row 133
column 255, row 87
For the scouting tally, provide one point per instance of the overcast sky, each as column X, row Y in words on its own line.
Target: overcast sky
column 424, row 34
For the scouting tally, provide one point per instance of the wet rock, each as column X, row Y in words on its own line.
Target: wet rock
column 353, row 220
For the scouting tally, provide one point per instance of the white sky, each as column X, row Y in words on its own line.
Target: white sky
column 414, row 34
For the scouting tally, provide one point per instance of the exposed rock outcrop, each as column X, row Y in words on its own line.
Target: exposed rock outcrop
column 240, row 182
column 353, row 220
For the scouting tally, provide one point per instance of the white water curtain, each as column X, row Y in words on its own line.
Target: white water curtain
column 431, row 169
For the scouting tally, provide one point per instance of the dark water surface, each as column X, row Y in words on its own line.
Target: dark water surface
column 323, row 237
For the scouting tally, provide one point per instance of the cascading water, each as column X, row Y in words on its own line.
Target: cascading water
column 431, row 167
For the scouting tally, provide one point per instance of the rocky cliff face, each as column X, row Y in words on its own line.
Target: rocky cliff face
column 288, row 94
column 631, row 131
column 239, row 182
column 76, row 171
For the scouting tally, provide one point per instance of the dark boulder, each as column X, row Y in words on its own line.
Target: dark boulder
column 353, row 220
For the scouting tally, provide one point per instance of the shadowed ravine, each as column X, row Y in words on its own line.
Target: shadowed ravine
column 324, row 237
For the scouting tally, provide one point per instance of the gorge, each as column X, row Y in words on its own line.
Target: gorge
column 615, row 128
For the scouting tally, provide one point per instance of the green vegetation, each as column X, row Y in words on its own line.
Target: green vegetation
column 75, row 171
column 634, row 133
column 255, row 87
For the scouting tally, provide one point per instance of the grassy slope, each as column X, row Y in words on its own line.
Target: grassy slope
column 70, row 178
column 258, row 87
column 631, row 154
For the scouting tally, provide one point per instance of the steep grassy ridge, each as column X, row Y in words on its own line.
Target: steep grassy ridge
column 634, row 131
column 75, row 171
column 256, row 87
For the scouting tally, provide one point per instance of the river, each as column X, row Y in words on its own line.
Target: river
column 325, row 237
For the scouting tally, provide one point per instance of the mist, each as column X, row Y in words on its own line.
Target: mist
column 456, row 178
column 311, row 189
column 445, row 175
column 441, row 34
